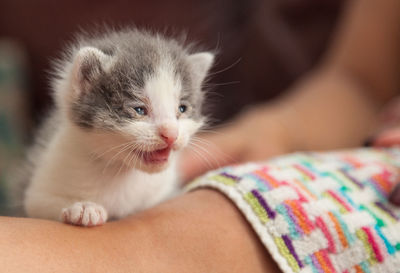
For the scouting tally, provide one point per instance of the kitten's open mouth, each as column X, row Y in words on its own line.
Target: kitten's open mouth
column 158, row 156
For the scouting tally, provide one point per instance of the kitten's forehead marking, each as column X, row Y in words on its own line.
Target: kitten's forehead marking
column 163, row 90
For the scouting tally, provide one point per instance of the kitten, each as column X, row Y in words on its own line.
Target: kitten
column 126, row 103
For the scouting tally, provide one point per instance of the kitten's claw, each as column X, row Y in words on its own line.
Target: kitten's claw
column 86, row 214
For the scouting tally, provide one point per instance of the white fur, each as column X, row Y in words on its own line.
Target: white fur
column 67, row 174
column 80, row 179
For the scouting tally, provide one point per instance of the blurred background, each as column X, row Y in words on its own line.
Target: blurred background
column 263, row 45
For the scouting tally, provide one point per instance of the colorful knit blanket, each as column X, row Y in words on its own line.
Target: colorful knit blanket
column 320, row 212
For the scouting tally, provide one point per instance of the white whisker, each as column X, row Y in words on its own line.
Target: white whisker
column 202, row 158
column 214, row 147
column 128, row 146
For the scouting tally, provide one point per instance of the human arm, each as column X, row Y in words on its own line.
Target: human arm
column 334, row 106
column 186, row 234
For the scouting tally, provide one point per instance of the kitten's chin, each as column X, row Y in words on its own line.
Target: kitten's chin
column 153, row 167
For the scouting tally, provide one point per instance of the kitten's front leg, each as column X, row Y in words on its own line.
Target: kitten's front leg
column 84, row 213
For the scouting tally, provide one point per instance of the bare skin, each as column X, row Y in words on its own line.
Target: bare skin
column 163, row 239
column 333, row 107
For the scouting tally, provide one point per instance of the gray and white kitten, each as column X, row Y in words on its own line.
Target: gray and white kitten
column 126, row 103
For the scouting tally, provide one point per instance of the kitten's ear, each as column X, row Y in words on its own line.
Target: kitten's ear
column 88, row 65
column 201, row 63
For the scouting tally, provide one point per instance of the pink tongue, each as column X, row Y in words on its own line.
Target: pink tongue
column 159, row 155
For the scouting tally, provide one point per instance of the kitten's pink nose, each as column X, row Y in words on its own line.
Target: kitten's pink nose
column 168, row 134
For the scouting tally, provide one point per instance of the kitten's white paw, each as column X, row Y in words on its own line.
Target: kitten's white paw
column 86, row 214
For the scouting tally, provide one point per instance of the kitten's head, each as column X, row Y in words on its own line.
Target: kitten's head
column 135, row 96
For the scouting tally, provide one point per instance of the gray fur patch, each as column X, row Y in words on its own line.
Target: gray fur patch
column 135, row 58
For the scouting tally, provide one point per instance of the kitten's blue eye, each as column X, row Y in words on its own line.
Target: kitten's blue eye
column 141, row 110
column 182, row 108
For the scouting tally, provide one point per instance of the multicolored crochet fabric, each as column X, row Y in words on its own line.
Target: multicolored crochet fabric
column 320, row 212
